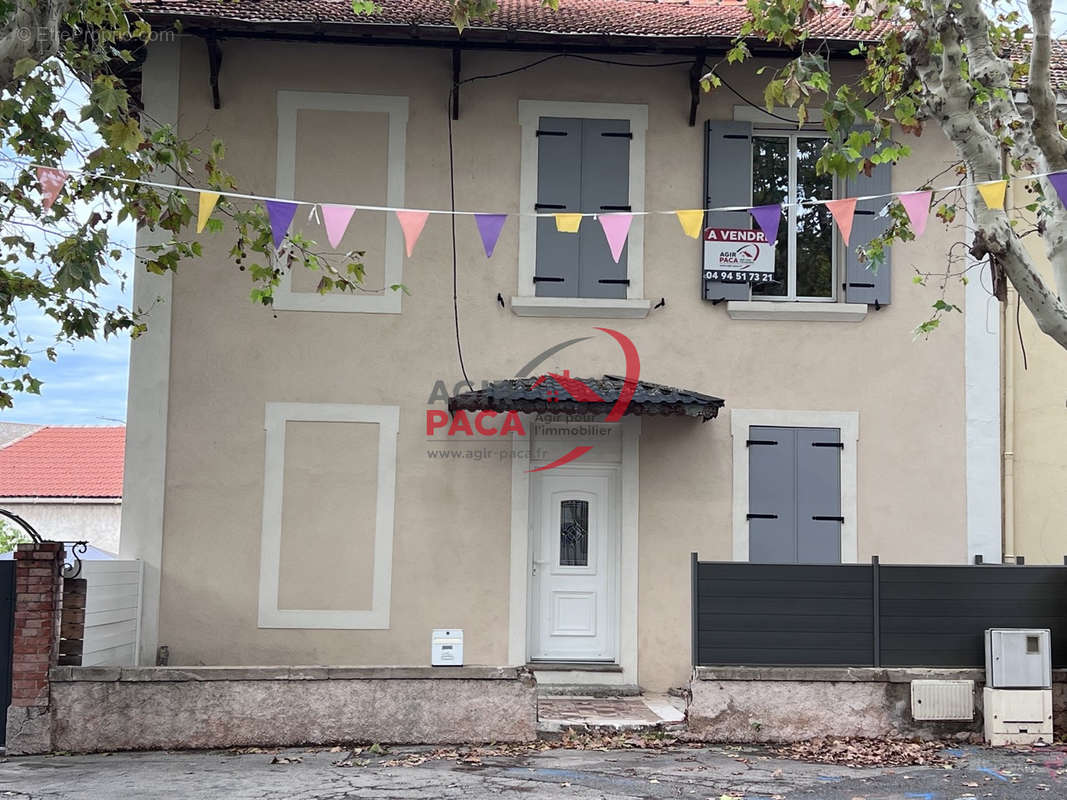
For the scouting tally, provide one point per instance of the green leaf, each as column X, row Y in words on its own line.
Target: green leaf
column 23, row 67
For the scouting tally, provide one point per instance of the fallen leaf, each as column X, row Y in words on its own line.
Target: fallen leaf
column 286, row 760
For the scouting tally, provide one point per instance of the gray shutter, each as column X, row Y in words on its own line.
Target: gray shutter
column 863, row 285
column 772, row 495
column 559, row 176
column 818, row 469
column 605, row 188
column 727, row 182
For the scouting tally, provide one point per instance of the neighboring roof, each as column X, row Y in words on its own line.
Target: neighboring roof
column 64, row 462
column 562, row 394
column 686, row 19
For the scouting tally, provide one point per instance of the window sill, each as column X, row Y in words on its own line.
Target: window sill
column 806, row 312
column 580, row 307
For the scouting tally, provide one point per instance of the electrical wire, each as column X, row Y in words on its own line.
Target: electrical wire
column 455, row 257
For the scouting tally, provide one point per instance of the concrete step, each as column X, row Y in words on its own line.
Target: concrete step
column 578, row 713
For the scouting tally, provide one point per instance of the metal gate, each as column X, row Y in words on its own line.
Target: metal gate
column 7, row 626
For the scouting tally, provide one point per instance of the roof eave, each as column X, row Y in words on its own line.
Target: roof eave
column 473, row 38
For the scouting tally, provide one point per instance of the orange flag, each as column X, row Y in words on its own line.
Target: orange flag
column 843, row 212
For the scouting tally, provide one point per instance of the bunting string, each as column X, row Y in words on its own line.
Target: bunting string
column 615, row 226
column 1058, row 178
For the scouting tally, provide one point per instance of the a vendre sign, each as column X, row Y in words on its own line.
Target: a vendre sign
column 737, row 255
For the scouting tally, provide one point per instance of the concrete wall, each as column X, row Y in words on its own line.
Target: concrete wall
column 450, row 556
column 785, row 704
column 96, row 522
column 97, row 709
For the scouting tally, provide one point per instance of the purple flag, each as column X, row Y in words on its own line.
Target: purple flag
column 281, row 214
column 1059, row 183
column 768, row 217
column 489, row 226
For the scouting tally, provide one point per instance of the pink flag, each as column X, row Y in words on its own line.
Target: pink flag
column 412, row 222
column 280, row 213
column 768, row 217
column 843, row 211
column 336, row 219
column 616, row 227
column 917, row 204
column 51, row 181
column 489, row 226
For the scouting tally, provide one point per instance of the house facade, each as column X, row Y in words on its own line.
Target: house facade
column 65, row 481
column 295, row 484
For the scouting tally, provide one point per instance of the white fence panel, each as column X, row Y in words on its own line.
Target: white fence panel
column 112, row 612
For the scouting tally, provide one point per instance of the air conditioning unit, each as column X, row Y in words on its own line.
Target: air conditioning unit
column 1018, row 695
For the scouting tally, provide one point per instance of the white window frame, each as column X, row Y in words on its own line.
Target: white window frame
column 848, row 422
column 791, row 219
column 290, row 103
column 377, row 616
column 527, row 303
column 780, row 308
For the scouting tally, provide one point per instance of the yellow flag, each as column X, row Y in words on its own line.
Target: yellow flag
column 207, row 205
column 993, row 193
column 692, row 221
column 568, row 223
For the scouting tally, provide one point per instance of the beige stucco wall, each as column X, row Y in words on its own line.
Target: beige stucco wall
column 1039, row 388
column 451, row 548
column 97, row 523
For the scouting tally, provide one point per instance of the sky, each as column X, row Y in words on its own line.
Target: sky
column 87, row 383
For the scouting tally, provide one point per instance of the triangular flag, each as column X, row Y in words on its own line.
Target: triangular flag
column 843, row 212
column 993, row 193
column 207, row 205
column 692, row 221
column 489, row 226
column 336, row 219
column 616, row 226
column 1059, row 183
column 917, row 204
column 280, row 213
column 768, row 217
column 568, row 223
column 412, row 222
column 51, row 181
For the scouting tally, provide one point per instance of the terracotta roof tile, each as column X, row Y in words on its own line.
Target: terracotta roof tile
column 646, row 18
column 64, row 462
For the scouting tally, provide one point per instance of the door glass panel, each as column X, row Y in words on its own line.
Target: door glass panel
column 574, row 533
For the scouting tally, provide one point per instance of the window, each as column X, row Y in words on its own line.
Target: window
column 752, row 160
column 783, row 171
column 794, row 485
column 583, row 158
column 574, row 533
column 794, row 495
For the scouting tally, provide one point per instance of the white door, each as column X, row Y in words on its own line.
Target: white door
column 574, row 584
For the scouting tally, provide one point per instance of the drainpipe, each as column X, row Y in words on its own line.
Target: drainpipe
column 1008, row 422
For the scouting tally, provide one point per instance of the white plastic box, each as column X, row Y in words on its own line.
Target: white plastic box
column 446, row 648
column 1018, row 658
column 1017, row 716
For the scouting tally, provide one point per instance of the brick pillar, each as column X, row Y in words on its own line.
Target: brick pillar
column 72, row 625
column 38, row 600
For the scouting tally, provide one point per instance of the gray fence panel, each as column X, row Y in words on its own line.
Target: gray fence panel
column 783, row 614
column 862, row 615
column 938, row 615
